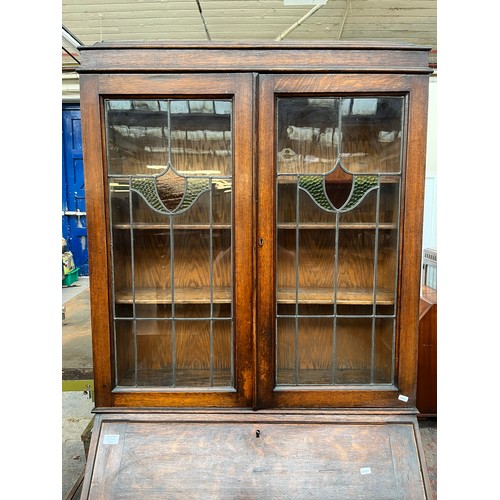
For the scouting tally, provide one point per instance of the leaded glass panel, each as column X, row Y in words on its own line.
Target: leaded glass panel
column 338, row 165
column 170, row 192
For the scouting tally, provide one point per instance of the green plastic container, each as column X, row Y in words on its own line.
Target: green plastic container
column 71, row 277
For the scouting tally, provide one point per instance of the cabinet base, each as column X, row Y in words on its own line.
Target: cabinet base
column 255, row 455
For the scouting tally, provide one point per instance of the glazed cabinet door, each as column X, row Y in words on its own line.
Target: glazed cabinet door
column 176, row 173
column 340, row 174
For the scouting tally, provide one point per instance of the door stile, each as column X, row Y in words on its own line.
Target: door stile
column 266, row 235
column 98, row 239
column 411, row 235
column 243, row 207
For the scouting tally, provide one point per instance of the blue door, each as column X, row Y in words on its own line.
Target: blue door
column 74, row 224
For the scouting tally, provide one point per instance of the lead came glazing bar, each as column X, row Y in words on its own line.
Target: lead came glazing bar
column 146, row 318
column 297, row 239
column 211, row 281
column 335, row 286
column 233, row 190
column 172, row 266
column 132, row 265
column 396, row 313
column 332, row 316
column 172, row 288
column 276, row 306
column 336, row 258
column 375, row 271
column 113, row 286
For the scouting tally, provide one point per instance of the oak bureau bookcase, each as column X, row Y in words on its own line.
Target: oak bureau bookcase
column 254, row 225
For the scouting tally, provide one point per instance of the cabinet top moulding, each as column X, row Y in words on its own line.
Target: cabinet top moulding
column 275, row 57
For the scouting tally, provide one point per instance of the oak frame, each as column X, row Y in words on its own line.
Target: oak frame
column 411, row 217
column 95, row 88
column 111, row 70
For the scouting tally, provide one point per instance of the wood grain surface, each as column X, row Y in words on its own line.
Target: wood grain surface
column 264, row 456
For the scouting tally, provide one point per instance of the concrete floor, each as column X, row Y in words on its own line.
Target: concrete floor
column 77, row 406
column 76, row 415
column 76, row 412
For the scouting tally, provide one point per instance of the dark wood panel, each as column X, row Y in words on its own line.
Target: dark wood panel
column 411, row 236
column 427, row 354
column 98, row 237
column 277, row 57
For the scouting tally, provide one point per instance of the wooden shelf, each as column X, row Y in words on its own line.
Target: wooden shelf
column 223, row 295
column 282, row 225
column 166, row 227
column 162, row 379
column 345, row 296
column 201, row 295
column 323, row 377
column 322, row 225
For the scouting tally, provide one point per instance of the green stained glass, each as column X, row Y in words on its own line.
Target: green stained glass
column 314, row 186
column 146, row 187
column 170, row 193
column 362, row 185
column 195, row 186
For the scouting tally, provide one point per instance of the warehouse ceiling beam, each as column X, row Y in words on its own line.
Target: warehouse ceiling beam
column 344, row 17
column 203, row 19
column 300, row 21
column 71, row 38
column 71, row 44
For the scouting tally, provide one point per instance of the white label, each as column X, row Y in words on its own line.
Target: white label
column 365, row 470
column 110, row 439
column 403, row 398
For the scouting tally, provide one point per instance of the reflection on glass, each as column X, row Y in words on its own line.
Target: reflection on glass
column 201, row 137
column 170, row 185
column 308, row 135
column 144, row 136
column 365, row 136
column 137, row 136
column 371, row 135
